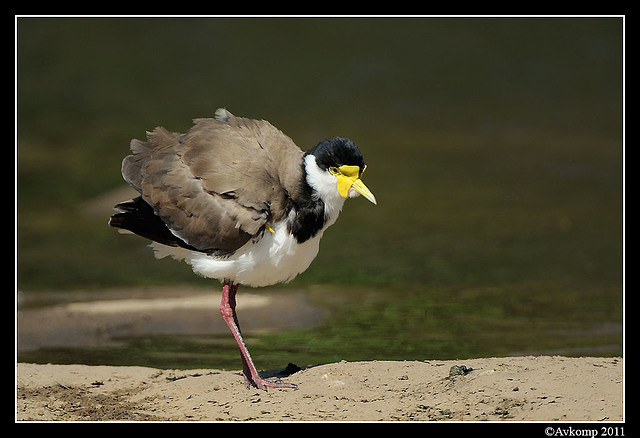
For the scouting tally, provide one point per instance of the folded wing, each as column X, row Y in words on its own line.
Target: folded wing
column 215, row 187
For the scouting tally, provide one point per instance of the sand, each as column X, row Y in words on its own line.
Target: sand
column 529, row 388
column 532, row 388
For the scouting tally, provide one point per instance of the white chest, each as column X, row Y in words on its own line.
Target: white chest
column 276, row 258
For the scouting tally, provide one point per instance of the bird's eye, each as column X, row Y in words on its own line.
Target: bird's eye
column 334, row 170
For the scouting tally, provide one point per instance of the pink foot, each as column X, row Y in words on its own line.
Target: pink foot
column 271, row 382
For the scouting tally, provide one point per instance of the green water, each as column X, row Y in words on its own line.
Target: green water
column 494, row 148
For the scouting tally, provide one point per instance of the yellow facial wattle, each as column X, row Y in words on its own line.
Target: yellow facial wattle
column 349, row 177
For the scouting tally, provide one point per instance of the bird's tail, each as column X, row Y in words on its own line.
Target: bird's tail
column 138, row 217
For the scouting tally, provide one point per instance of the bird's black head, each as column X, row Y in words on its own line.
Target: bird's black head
column 334, row 168
column 337, row 152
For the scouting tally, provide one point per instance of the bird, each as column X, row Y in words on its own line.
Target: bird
column 240, row 202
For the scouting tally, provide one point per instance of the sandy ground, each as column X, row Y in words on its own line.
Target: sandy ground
column 533, row 388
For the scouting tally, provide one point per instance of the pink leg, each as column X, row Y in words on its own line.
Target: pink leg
column 228, row 312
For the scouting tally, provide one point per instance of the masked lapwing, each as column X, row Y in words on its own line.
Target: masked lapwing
column 237, row 200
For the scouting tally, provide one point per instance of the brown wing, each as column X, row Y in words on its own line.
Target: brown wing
column 216, row 186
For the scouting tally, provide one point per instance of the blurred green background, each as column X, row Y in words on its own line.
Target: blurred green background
column 494, row 148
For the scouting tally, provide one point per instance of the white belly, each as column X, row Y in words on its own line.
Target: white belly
column 276, row 258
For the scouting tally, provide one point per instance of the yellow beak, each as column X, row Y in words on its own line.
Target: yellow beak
column 349, row 177
column 359, row 187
